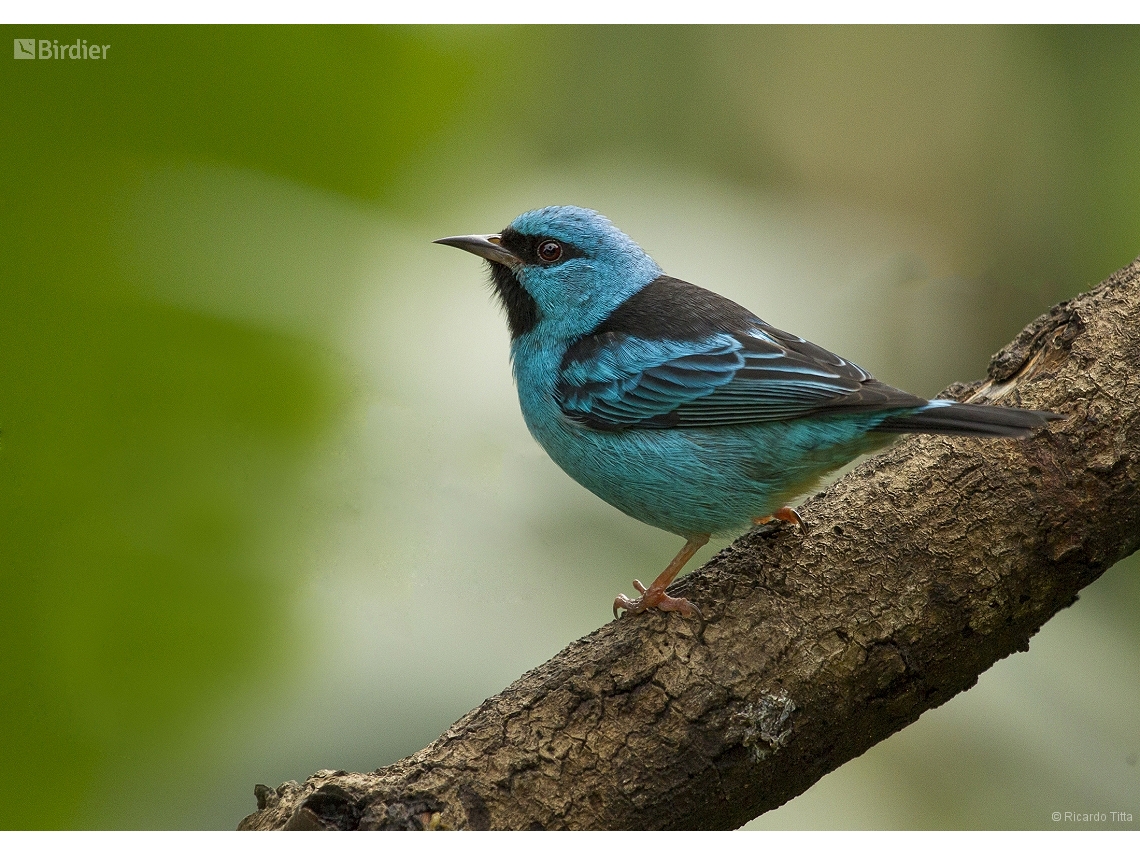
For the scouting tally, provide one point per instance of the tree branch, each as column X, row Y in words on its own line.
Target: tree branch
column 924, row 566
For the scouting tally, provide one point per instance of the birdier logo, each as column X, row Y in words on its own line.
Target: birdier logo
column 52, row 49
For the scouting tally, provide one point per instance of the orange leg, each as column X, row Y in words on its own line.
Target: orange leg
column 787, row 515
column 654, row 597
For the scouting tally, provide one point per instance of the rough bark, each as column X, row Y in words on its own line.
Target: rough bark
column 922, row 568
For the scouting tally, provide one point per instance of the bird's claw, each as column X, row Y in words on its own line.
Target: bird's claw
column 655, row 599
column 787, row 515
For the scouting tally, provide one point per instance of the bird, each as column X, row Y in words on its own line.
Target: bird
column 676, row 405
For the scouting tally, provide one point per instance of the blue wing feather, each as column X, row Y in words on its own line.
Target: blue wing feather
column 615, row 380
column 624, row 380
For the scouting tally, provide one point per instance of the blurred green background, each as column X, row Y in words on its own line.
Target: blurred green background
column 268, row 503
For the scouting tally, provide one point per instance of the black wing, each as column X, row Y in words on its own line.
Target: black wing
column 675, row 355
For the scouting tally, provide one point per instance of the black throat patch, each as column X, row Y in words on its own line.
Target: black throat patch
column 522, row 310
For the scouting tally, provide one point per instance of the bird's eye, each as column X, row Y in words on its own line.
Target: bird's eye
column 550, row 250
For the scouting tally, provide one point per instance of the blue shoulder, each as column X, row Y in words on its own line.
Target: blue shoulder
column 616, row 380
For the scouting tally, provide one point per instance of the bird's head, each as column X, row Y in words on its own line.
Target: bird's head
column 563, row 268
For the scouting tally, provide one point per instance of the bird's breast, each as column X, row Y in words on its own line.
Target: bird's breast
column 536, row 365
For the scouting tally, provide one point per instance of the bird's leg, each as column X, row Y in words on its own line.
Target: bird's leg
column 654, row 597
column 787, row 515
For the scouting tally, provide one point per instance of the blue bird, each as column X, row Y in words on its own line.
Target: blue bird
column 676, row 405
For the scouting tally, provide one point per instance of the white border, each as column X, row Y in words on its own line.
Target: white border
column 578, row 12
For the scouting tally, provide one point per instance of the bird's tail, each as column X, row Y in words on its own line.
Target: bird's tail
column 954, row 419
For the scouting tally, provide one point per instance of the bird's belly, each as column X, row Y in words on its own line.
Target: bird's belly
column 703, row 481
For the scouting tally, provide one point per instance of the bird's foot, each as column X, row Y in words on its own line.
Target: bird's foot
column 655, row 598
column 787, row 515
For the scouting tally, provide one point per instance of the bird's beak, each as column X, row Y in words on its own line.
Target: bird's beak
column 485, row 246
